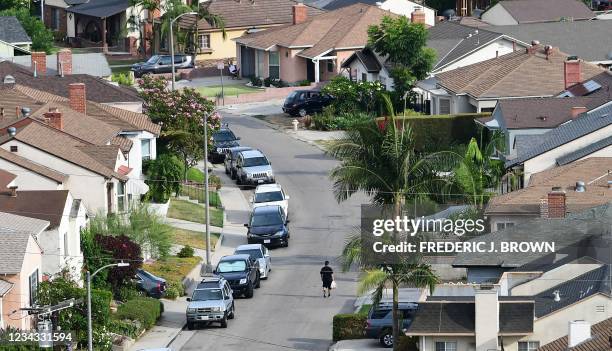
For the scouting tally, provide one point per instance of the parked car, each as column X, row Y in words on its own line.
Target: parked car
column 211, row 301
column 270, row 194
column 379, row 324
column 268, row 225
column 259, row 253
column 231, row 155
column 151, row 284
column 304, row 102
column 242, row 273
column 161, row 64
column 222, row 139
column 253, row 168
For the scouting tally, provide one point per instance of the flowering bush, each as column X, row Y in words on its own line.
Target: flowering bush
column 350, row 96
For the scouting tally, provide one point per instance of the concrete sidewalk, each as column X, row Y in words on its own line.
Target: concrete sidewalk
column 357, row 345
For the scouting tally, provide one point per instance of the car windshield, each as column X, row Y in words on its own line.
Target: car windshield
column 266, row 219
column 255, row 161
column 291, row 96
column 207, row 294
column 231, row 266
column 254, row 253
column 268, row 196
column 224, row 135
column 153, row 59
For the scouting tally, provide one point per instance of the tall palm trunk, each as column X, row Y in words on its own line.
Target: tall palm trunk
column 396, row 316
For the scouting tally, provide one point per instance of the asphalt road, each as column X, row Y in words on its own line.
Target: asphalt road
column 289, row 312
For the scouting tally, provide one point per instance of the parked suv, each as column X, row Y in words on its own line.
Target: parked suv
column 222, row 139
column 259, row 253
column 211, row 301
column 152, row 285
column 253, row 168
column 379, row 324
column 270, row 194
column 161, row 64
column 242, row 273
column 304, row 102
column 231, row 155
column 268, row 225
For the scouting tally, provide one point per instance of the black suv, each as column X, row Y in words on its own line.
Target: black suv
column 242, row 273
column 268, row 225
column 161, row 64
column 380, row 321
column 304, row 102
column 223, row 139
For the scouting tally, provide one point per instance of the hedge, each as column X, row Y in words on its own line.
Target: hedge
column 349, row 326
column 441, row 131
column 145, row 310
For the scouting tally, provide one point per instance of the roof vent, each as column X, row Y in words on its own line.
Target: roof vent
column 556, row 296
column 542, row 118
column 580, row 187
column 609, row 184
column 8, row 79
column 25, row 111
column 12, row 131
column 535, row 42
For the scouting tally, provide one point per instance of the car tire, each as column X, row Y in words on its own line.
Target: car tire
column 190, row 325
column 249, row 291
column 386, row 338
column 224, row 321
column 258, row 284
column 227, row 171
column 302, row 112
column 286, row 243
column 233, row 314
column 238, row 180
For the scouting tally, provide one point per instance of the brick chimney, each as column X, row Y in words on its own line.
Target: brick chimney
column 576, row 110
column 554, row 205
column 571, row 71
column 77, row 97
column 417, row 16
column 300, row 13
column 39, row 63
column 54, row 118
column 64, row 62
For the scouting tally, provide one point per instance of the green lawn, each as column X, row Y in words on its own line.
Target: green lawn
column 196, row 193
column 173, row 268
column 185, row 210
column 194, row 239
column 228, row 90
column 195, row 175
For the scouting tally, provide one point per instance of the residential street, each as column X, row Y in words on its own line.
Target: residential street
column 288, row 311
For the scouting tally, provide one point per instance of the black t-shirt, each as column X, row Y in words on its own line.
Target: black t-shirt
column 326, row 273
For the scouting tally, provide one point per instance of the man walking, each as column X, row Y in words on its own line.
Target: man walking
column 327, row 276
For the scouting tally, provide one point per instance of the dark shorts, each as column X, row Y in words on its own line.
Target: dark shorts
column 327, row 284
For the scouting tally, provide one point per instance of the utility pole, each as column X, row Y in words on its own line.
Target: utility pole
column 42, row 5
column 44, row 324
column 206, row 194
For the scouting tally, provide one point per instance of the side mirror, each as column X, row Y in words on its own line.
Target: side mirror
column 246, row 225
column 238, row 138
column 287, row 221
column 267, row 255
column 188, row 299
column 287, row 197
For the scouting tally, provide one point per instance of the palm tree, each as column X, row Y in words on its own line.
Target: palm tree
column 216, row 21
column 133, row 22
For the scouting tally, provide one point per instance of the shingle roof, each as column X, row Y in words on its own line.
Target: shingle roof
column 33, row 166
column 526, row 11
column 46, row 205
column 589, row 40
column 367, row 58
column 94, row 64
column 11, row 30
column 584, row 124
column 249, row 13
column 5, row 287
column 448, row 318
column 22, row 223
column 6, row 178
column 100, row 8
column 517, row 74
column 12, row 250
column 599, row 341
column 585, row 151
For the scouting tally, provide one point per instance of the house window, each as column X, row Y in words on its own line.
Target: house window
column 55, row 19
column 330, row 65
column 204, row 40
column 528, row 345
column 145, row 149
column 446, row 346
column 504, row 225
column 33, row 287
column 66, row 253
column 121, row 197
column 13, row 148
column 444, row 107
column 364, row 77
column 274, row 65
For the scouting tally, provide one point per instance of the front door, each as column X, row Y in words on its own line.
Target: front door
column 247, row 61
column 109, row 197
column 310, row 70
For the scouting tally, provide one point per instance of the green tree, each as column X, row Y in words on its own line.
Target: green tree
column 42, row 38
column 14, row 4
column 404, row 43
column 164, row 176
column 134, row 22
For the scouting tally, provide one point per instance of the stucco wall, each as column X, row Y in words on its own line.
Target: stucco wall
column 552, row 278
column 464, row 343
column 28, row 180
column 499, row 47
column 406, row 8
column 292, row 67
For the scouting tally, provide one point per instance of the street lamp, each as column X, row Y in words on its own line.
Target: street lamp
column 208, row 267
column 89, row 277
column 172, row 42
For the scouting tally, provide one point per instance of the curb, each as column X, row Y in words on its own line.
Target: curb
column 287, row 131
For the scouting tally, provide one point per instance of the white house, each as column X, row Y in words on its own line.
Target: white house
column 399, row 7
column 534, row 11
column 14, row 40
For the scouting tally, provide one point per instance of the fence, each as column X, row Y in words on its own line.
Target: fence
column 195, row 191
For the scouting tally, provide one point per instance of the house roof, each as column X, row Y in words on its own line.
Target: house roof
column 344, row 28
column 336, row 4
column 589, row 40
column 11, row 31
column 585, row 151
column 45, row 205
column 33, row 166
column 593, row 171
column 5, row 287
column 598, row 85
column 565, row 233
column 584, row 124
column 13, row 250
column 253, row 13
column 599, row 340
column 100, row 8
column 448, row 318
column 93, row 63
column 521, row 73
column 367, row 58
column 6, row 178
column 97, row 89
column 529, row 11
column 22, row 223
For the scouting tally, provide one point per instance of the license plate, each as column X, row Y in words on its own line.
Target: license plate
column 203, row 318
column 260, row 181
column 266, row 241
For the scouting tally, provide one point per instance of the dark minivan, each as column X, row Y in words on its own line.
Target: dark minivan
column 304, row 102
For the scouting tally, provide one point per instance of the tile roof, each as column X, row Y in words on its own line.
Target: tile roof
column 12, row 250
column 33, row 166
column 93, row 63
column 5, row 287
column 6, row 178
column 45, row 205
column 343, row 28
column 589, row 40
column 528, row 11
column 100, row 8
column 448, row 318
column 11, row 31
column 22, row 223
column 584, row 124
column 256, row 13
column 517, row 74
column 601, row 334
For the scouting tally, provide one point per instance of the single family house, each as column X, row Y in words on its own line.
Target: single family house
column 14, row 41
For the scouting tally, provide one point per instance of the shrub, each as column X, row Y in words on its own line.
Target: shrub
column 256, row 81
column 267, row 82
column 42, row 38
column 166, row 174
column 122, row 79
column 348, row 326
column 303, row 83
column 125, row 327
column 408, row 343
column 174, row 289
column 329, row 120
column 145, row 310
column 186, row 251
column 214, row 182
column 121, row 248
column 127, row 292
column 350, row 96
